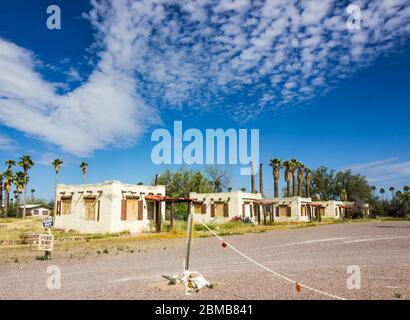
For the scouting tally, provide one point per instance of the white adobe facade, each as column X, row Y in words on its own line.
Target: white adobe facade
column 334, row 209
column 108, row 207
column 223, row 206
column 291, row 209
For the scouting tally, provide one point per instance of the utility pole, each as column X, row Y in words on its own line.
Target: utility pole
column 252, row 179
column 189, row 236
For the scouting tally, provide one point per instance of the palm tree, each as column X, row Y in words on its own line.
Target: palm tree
column 32, row 194
column 19, row 181
column 243, row 189
column 8, row 181
column 391, row 189
column 293, row 166
column 288, row 177
column 382, row 191
column 84, row 168
column 406, row 188
column 26, row 163
column 373, row 188
column 300, row 168
column 276, row 165
column 1, row 192
column 10, row 164
column 307, row 181
column 57, row 166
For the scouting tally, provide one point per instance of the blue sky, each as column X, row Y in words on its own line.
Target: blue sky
column 96, row 89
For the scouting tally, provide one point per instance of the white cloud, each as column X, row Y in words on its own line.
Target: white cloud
column 195, row 54
column 383, row 170
column 6, row 144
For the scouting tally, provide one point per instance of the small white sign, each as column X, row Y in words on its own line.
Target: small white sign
column 48, row 222
column 46, row 242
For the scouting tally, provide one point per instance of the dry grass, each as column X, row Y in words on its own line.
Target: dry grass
column 72, row 245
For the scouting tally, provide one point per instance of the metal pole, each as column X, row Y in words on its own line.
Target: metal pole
column 189, row 236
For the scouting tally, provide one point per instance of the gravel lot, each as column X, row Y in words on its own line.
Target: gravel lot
column 317, row 257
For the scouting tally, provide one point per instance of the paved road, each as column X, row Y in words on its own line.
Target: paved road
column 317, row 256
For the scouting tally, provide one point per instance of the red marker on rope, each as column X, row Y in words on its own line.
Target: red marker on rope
column 224, row 245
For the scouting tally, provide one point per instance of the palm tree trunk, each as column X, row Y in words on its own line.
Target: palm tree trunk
column 6, row 204
column 299, row 188
column 288, row 188
column 1, row 196
column 55, row 197
column 18, row 205
column 293, row 185
column 25, row 195
column 276, row 187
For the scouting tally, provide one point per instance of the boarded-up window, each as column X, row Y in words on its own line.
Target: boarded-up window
column 123, row 210
column 303, row 211
column 336, row 212
column 321, row 211
column 140, row 210
column 243, row 210
column 203, row 208
column 277, row 211
column 90, row 208
column 284, row 211
column 251, row 210
column 212, row 209
column 198, row 208
column 59, row 208
column 226, row 210
column 150, row 210
column 219, row 209
column 132, row 209
column 65, row 206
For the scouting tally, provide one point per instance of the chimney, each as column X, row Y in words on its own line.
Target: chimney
column 260, row 179
column 252, row 179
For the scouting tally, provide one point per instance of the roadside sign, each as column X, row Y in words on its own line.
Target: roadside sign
column 48, row 222
column 46, row 242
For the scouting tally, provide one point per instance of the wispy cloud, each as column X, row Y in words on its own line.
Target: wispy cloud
column 6, row 144
column 383, row 170
column 240, row 57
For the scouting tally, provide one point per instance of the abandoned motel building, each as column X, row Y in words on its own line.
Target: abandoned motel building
column 112, row 207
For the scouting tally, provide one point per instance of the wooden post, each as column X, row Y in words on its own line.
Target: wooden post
column 158, row 215
column 189, row 236
column 171, row 216
column 260, row 179
column 264, row 215
column 47, row 254
column 252, row 179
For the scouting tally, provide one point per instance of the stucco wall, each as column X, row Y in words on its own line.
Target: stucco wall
column 236, row 198
column 110, row 207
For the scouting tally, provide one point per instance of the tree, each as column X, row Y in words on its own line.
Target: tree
column 406, row 188
column 307, row 181
column 84, row 168
column 10, row 164
column 57, row 163
column 180, row 183
column 382, row 191
column 373, row 189
column 276, row 165
column 32, row 194
column 293, row 164
column 300, row 176
column 8, row 181
column 26, row 163
column 219, row 178
column 243, row 189
column 1, row 193
column 288, row 176
column 391, row 189
column 20, row 182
